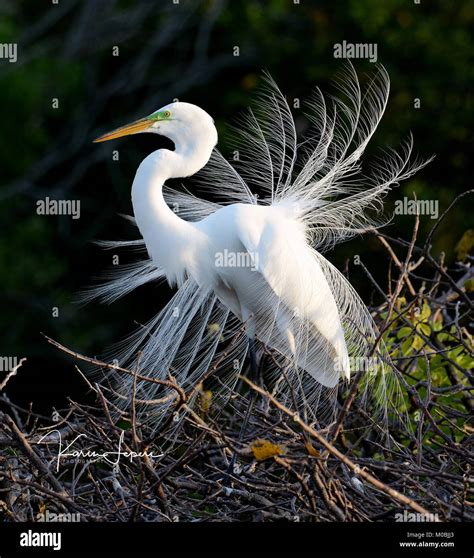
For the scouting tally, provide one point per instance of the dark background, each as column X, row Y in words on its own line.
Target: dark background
column 185, row 50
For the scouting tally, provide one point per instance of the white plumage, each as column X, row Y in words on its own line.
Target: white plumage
column 237, row 261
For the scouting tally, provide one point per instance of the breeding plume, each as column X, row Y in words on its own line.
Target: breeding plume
column 248, row 266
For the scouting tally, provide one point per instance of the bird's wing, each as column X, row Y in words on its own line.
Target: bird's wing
column 310, row 313
column 306, row 325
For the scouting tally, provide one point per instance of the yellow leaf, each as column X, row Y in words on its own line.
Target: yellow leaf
column 264, row 449
column 425, row 312
column 424, row 328
column 311, row 450
column 205, row 399
column 401, row 302
column 469, row 285
column 417, row 342
column 465, row 245
column 213, row 329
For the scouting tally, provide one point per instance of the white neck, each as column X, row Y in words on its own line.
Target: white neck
column 166, row 235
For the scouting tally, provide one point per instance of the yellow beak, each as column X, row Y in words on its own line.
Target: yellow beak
column 132, row 128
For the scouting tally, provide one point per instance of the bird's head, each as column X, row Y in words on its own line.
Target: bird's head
column 183, row 123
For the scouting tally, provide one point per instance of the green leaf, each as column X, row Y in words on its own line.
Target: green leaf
column 124, row 424
column 404, row 331
column 407, row 346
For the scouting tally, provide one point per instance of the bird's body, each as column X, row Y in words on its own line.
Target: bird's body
column 286, row 284
column 273, row 274
column 256, row 263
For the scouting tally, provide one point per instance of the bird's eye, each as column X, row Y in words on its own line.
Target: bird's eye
column 167, row 113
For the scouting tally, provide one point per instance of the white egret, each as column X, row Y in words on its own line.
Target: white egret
column 257, row 261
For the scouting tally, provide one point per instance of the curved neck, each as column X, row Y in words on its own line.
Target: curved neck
column 150, row 209
column 166, row 235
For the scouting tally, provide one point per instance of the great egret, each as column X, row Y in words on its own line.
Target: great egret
column 257, row 261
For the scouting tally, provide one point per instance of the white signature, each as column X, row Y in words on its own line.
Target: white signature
column 93, row 455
